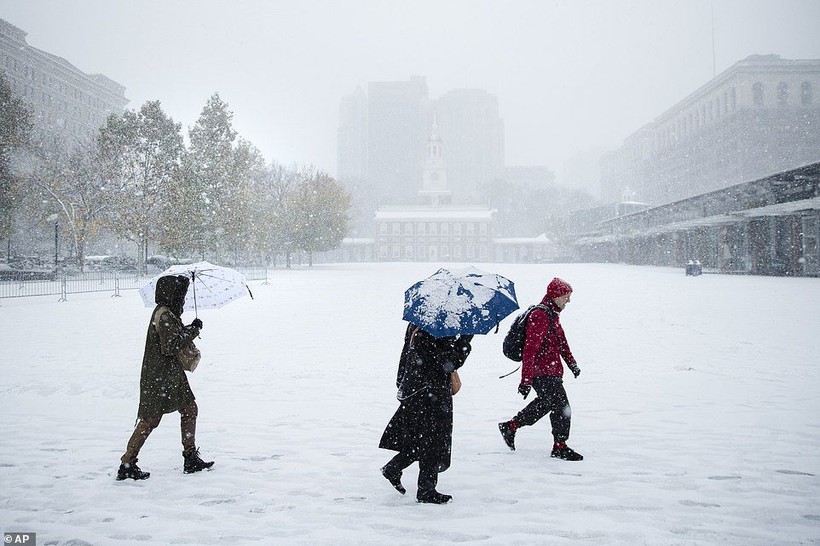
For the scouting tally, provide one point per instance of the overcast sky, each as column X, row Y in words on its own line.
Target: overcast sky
column 571, row 76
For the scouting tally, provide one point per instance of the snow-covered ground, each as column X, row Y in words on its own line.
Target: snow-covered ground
column 697, row 411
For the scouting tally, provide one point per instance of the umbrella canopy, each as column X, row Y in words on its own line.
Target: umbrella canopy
column 464, row 301
column 211, row 287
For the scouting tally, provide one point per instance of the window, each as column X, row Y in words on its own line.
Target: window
column 782, row 94
column 433, row 228
column 396, row 229
column 805, row 93
column 420, row 228
column 382, row 228
column 408, row 228
column 757, row 94
column 733, row 99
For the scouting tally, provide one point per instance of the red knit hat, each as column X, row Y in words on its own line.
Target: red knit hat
column 557, row 288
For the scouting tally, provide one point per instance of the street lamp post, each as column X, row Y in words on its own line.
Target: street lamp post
column 56, row 219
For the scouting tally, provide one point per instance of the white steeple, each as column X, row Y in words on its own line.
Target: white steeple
column 434, row 187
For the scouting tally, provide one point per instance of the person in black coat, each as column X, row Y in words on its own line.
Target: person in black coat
column 422, row 427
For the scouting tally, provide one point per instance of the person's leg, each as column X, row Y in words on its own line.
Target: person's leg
column 128, row 468
column 141, row 432
column 530, row 415
column 428, row 479
column 561, row 418
column 393, row 470
column 187, row 422
column 560, row 412
column 187, row 425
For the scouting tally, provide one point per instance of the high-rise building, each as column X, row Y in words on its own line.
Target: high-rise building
column 398, row 120
column 351, row 138
column 471, row 128
column 758, row 117
column 382, row 139
column 67, row 103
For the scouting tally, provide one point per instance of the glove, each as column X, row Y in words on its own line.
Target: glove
column 576, row 371
column 196, row 323
column 524, row 390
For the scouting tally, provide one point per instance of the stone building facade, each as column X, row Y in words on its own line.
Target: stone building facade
column 68, row 104
column 758, row 117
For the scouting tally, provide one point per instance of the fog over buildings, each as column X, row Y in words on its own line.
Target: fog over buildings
column 571, row 79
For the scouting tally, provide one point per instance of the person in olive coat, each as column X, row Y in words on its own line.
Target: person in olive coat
column 164, row 387
column 421, row 429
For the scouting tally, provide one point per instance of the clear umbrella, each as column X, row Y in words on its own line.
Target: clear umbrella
column 212, row 286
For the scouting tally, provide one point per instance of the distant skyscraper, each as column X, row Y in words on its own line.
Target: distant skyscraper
column 394, row 121
column 67, row 103
column 351, row 140
column 473, row 133
column 398, row 122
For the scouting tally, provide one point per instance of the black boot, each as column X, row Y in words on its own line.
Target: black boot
column 563, row 451
column 193, row 463
column 428, row 479
column 433, row 497
column 508, row 433
column 394, row 477
column 132, row 471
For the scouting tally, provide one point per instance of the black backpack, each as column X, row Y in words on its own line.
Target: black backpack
column 513, row 346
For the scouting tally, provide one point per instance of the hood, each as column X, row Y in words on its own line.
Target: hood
column 170, row 291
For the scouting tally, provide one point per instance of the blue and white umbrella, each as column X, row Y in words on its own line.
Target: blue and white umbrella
column 464, row 301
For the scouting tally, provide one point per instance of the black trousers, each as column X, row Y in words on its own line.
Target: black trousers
column 428, row 470
column 552, row 399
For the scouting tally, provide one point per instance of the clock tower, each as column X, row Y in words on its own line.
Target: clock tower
column 434, row 177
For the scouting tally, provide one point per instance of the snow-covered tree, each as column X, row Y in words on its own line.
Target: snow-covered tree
column 203, row 196
column 141, row 154
column 320, row 212
column 73, row 191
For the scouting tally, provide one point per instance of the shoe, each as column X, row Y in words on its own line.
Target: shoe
column 132, row 471
column 433, row 497
column 193, row 463
column 566, row 453
column 394, row 479
column 508, row 434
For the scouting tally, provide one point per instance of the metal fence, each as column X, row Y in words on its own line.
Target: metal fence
column 25, row 284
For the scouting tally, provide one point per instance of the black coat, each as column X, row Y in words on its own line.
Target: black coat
column 422, row 426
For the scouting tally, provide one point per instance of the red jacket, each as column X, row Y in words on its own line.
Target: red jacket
column 544, row 345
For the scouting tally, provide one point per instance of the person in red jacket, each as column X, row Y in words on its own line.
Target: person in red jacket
column 541, row 369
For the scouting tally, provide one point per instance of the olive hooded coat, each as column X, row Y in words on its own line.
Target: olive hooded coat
column 164, row 387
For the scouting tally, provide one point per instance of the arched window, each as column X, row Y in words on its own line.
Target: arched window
column 757, row 94
column 782, row 94
column 805, row 93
